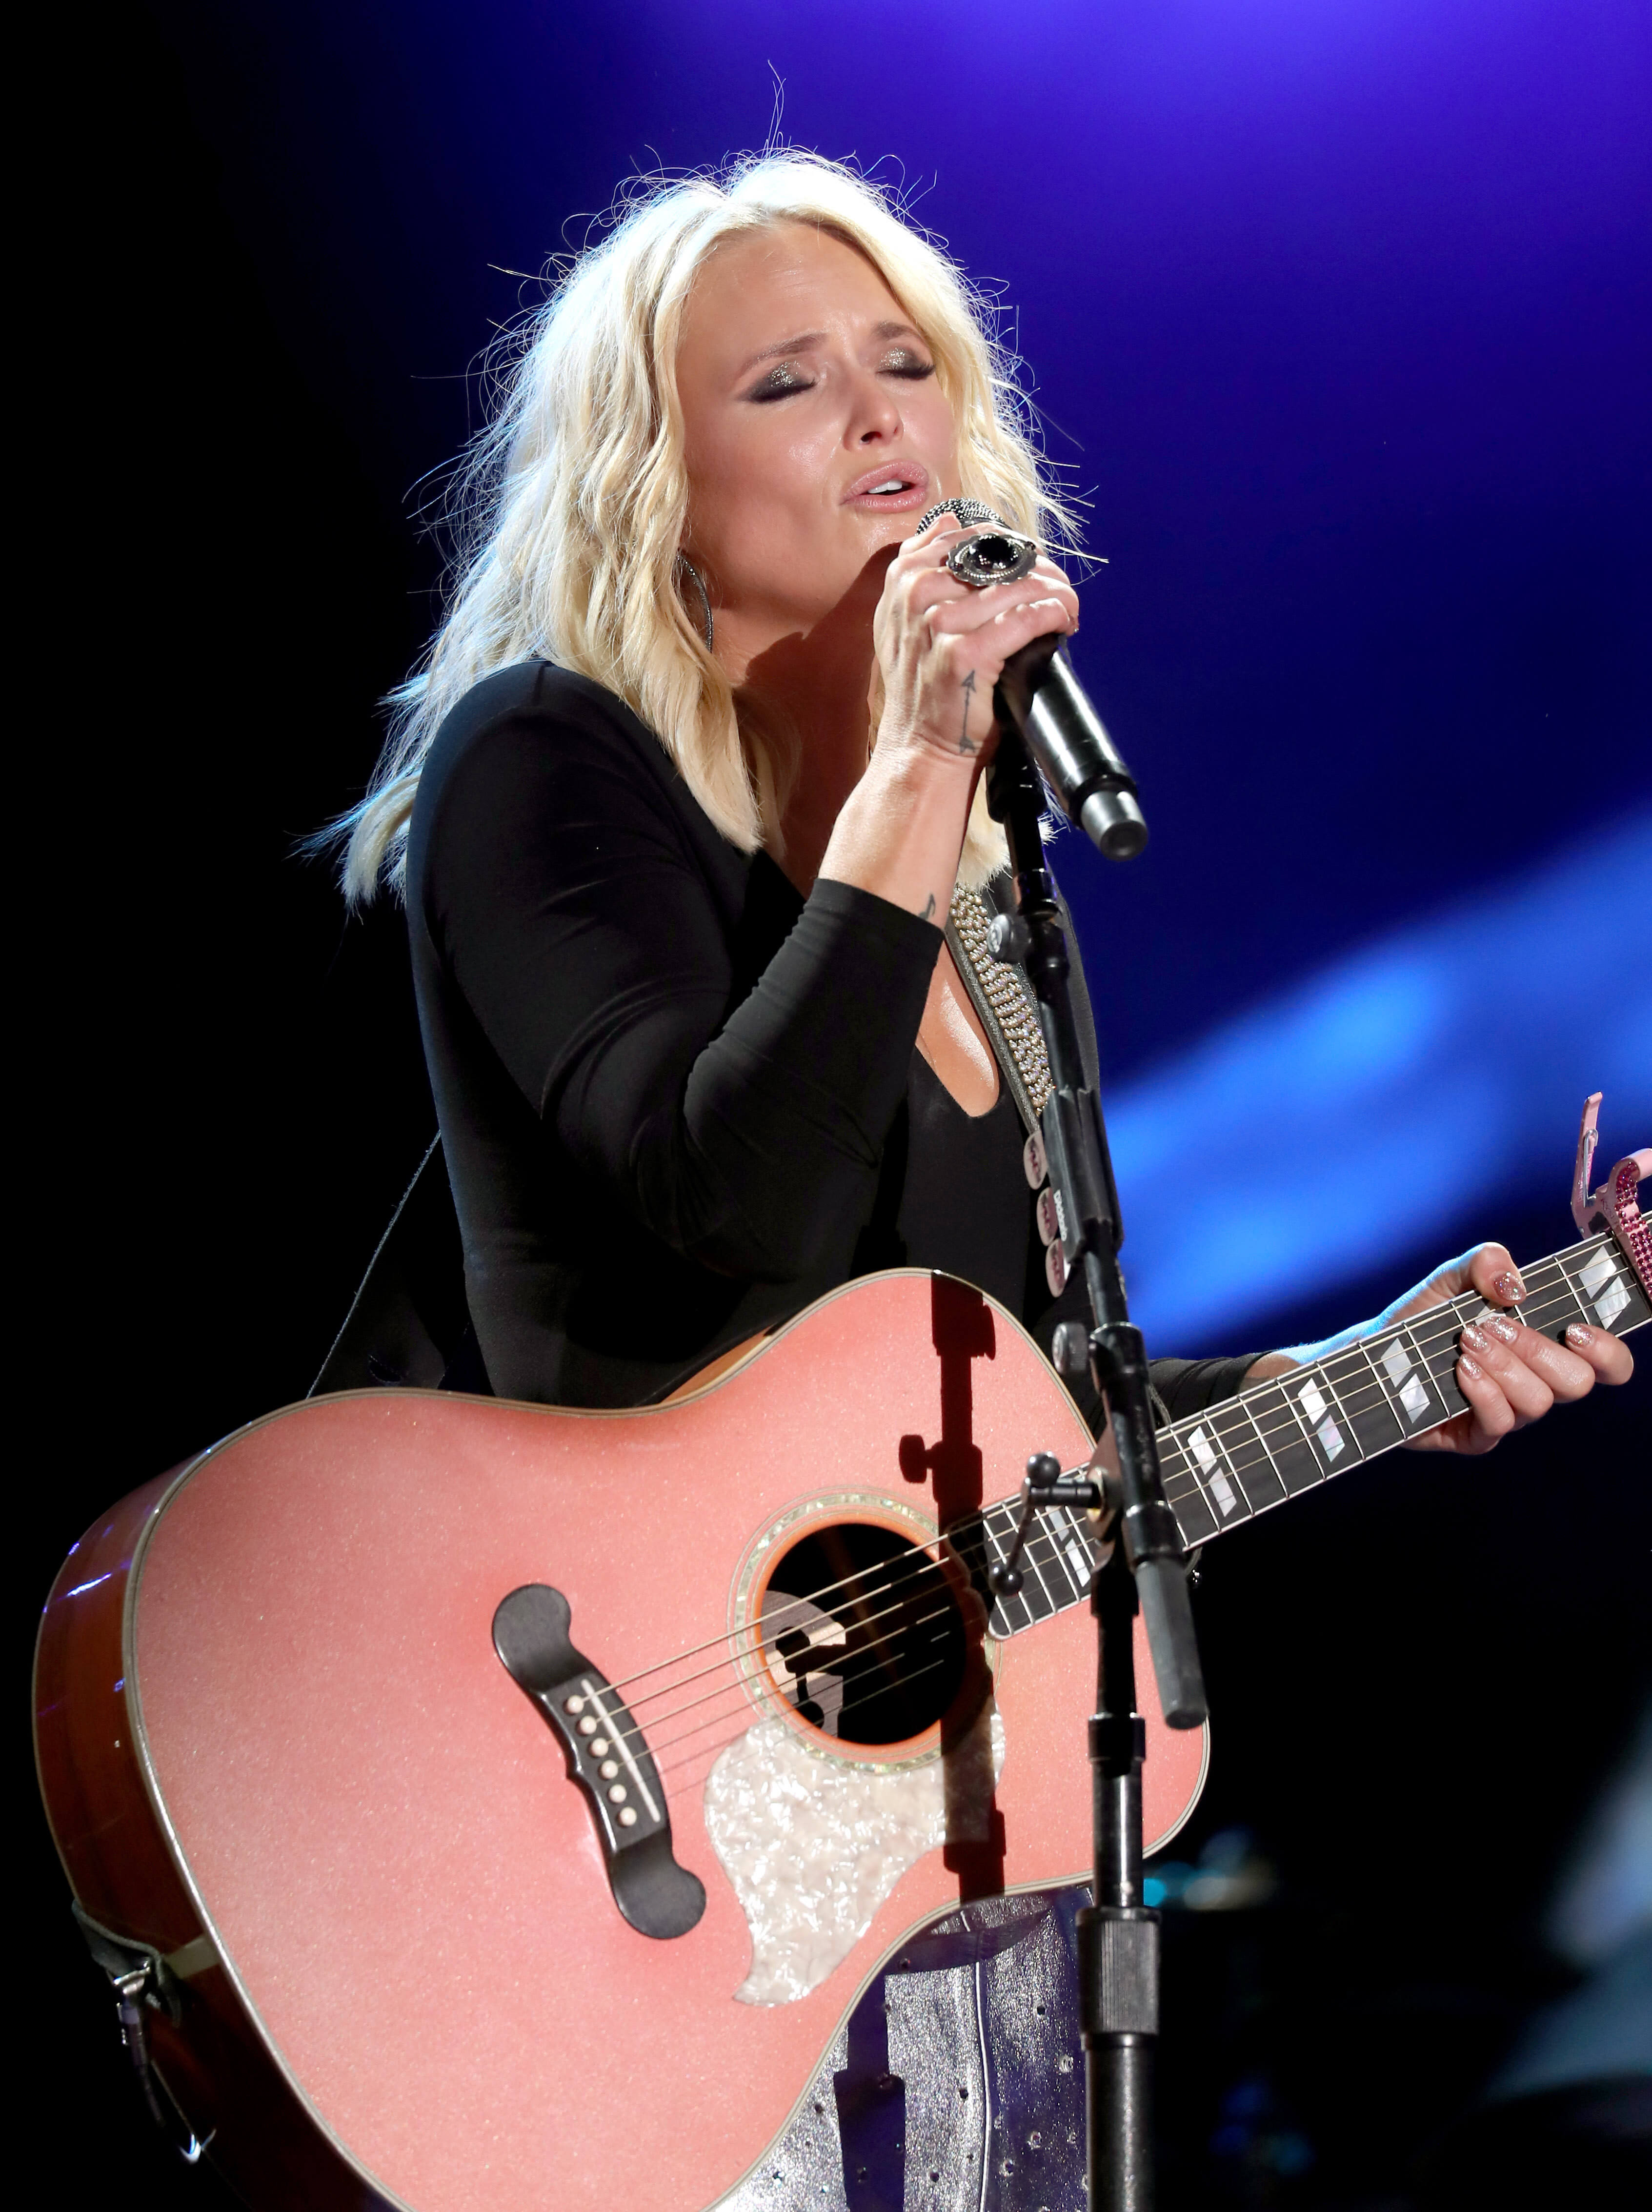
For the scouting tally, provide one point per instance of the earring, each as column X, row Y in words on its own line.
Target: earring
column 699, row 583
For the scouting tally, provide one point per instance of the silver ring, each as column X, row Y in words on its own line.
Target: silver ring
column 992, row 556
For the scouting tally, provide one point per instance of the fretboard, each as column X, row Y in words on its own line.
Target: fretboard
column 1240, row 1457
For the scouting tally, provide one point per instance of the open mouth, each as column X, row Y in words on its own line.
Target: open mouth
column 898, row 484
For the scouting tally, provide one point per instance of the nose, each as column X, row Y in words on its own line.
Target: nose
column 874, row 413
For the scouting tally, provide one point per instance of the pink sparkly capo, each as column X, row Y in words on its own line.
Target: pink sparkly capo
column 1615, row 1206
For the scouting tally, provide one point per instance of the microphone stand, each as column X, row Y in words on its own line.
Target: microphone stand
column 1118, row 1934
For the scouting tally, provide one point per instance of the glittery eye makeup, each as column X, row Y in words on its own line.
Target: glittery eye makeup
column 903, row 362
column 789, row 376
column 784, row 379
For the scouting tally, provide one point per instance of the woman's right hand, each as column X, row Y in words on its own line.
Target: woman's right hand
column 942, row 644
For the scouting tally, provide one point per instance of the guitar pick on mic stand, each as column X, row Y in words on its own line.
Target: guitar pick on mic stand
column 1052, row 742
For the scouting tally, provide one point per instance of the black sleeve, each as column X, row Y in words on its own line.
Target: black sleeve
column 1188, row 1386
column 565, row 898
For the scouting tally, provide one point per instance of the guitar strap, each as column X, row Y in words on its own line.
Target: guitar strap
column 408, row 1323
column 1003, row 1001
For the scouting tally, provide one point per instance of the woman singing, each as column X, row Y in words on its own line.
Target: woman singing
column 689, row 790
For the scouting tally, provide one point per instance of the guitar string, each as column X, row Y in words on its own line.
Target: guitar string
column 761, row 1650
column 914, row 1553
column 710, row 1750
column 862, row 1662
column 1424, row 1339
column 659, row 1720
column 679, row 1766
column 850, row 1704
column 1184, row 1495
column 1368, row 1392
column 1365, row 1394
column 1191, row 1487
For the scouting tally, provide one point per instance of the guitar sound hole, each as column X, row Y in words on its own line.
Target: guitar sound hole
column 863, row 1638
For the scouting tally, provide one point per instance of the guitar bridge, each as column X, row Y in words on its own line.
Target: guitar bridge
column 606, row 1755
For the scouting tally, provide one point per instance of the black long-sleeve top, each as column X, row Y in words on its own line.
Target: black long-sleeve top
column 678, row 1101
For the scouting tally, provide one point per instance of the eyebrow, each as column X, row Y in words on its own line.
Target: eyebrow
column 788, row 346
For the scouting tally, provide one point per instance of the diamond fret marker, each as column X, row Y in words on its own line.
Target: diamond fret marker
column 1599, row 1280
column 1220, row 1488
column 1412, row 1394
column 1611, row 1304
column 1598, row 1274
column 1312, row 1400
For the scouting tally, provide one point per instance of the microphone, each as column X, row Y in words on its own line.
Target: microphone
column 1039, row 695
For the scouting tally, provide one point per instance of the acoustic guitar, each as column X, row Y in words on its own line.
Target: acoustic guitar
column 488, row 1807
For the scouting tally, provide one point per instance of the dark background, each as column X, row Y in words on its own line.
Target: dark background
column 1340, row 321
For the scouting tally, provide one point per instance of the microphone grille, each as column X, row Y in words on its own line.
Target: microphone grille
column 972, row 512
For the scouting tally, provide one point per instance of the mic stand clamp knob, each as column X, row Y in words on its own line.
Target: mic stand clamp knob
column 1008, row 939
column 1070, row 1349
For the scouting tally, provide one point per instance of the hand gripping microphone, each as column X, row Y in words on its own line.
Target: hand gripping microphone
column 1041, row 697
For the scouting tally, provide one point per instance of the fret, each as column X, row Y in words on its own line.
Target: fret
column 1000, row 1602
column 1347, row 1428
column 1364, row 1402
column 1577, row 1295
column 1242, row 1471
column 1075, row 1549
column 1063, row 1545
column 1193, row 1513
column 1292, row 1454
column 1029, row 1553
column 1386, row 1395
column 1306, row 1405
column 1395, row 1367
column 1638, row 1311
column 1243, row 1401
column 1203, row 1445
column 1599, row 1276
column 1435, row 1407
column 1461, row 1311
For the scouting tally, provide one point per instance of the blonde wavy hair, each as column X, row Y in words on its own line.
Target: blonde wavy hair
column 567, row 509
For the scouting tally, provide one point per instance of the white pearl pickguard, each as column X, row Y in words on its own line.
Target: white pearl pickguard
column 813, row 1845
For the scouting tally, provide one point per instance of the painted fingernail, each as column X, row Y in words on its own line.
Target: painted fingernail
column 1497, row 1326
column 1468, row 1367
column 1579, row 1336
column 1509, row 1289
column 1476, row 1337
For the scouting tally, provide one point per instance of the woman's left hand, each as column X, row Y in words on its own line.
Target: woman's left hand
column 1510, row 1374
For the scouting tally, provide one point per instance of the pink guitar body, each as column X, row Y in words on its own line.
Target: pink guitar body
column 302, row 1746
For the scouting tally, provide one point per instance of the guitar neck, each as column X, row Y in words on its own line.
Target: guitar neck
column 1237, row 1459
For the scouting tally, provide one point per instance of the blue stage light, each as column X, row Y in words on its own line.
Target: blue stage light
column 1335, row 1124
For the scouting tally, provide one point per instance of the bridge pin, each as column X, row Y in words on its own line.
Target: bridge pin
column 598, row 1745
column 617, row 1795
column 609, row 1767
column 573, row 1705
column 587, row 1726
column 628, row 1816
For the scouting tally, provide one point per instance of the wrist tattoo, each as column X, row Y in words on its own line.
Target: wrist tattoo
column 928, row 913
column 966, row 744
